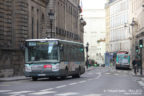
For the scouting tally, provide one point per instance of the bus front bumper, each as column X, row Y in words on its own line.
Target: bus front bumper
column 45, row 74
column 122, row 66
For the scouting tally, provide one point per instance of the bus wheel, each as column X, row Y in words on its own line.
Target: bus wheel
column 52, row 78
column 63, row 77
column 34, row 78
column 66, row 74
column 78, row 74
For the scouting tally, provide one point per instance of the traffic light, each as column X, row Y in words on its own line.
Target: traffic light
column 136, row 48
column 141, row 43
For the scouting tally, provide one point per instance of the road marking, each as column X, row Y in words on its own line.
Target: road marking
column 67, row 94
column 141, row 83
column 93, row 95
column 116, row 74
column 118, row 71
column 5, row 90
column 82, row 81
column 72, row 83
column 107, row 73
column 43, row 93
column 47, row 89
column 61, row 86
column 18, row 93
column 98, row 76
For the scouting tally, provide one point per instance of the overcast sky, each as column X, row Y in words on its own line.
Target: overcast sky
column 93, row 4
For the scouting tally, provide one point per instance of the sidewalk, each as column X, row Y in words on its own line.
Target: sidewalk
column 17, row 78
column 140, row 79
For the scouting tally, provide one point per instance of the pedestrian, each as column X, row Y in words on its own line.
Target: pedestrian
column 136, row 65
column 87, row 62
column 114, row 61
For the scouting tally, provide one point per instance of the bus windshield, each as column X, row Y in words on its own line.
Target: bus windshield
column 42, row 51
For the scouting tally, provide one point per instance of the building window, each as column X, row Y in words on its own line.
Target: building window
column 32, row 27
column 32, row 9
column 37, row 23
column 37, row 28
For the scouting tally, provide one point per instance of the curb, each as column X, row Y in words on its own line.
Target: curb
column 14, row 79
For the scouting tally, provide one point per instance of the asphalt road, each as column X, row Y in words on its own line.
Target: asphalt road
column 98, row 82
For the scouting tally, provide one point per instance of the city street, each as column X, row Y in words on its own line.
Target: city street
column 97, row 82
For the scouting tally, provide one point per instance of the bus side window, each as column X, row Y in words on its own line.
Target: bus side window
column 62, row 52
column 61, row 47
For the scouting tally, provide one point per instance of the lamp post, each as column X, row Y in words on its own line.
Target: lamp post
column 87, row 49
column 133, row 23
column 141, row 46
column 82, row 21
column 51, row 17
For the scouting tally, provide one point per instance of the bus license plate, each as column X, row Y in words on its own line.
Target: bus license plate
column 41, row 74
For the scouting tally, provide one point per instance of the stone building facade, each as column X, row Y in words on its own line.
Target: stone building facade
column 107, row 18
column 134, row 24
column 118, row 30
column 28, row 19
column 136, row 19
column 15, row 27
column 66, row 24
column 119, row 35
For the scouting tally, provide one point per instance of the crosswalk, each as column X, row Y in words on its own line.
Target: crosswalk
column 41, row 93
column 34, row 93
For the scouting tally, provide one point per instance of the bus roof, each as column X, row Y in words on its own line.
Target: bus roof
column 53, row 40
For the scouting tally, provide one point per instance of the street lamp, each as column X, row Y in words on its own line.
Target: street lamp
column 87, row 48
column 141, row 46
column 133, row 23
column 82, row 21
column 51, row 17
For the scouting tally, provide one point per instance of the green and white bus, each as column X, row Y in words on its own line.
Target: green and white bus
column 53, row 58
column 122, row 60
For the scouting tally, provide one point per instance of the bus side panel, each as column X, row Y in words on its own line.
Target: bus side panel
column 63, row 66
column 73, row 67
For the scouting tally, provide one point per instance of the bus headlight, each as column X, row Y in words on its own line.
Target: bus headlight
column 28, row 68
column 55, row 67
